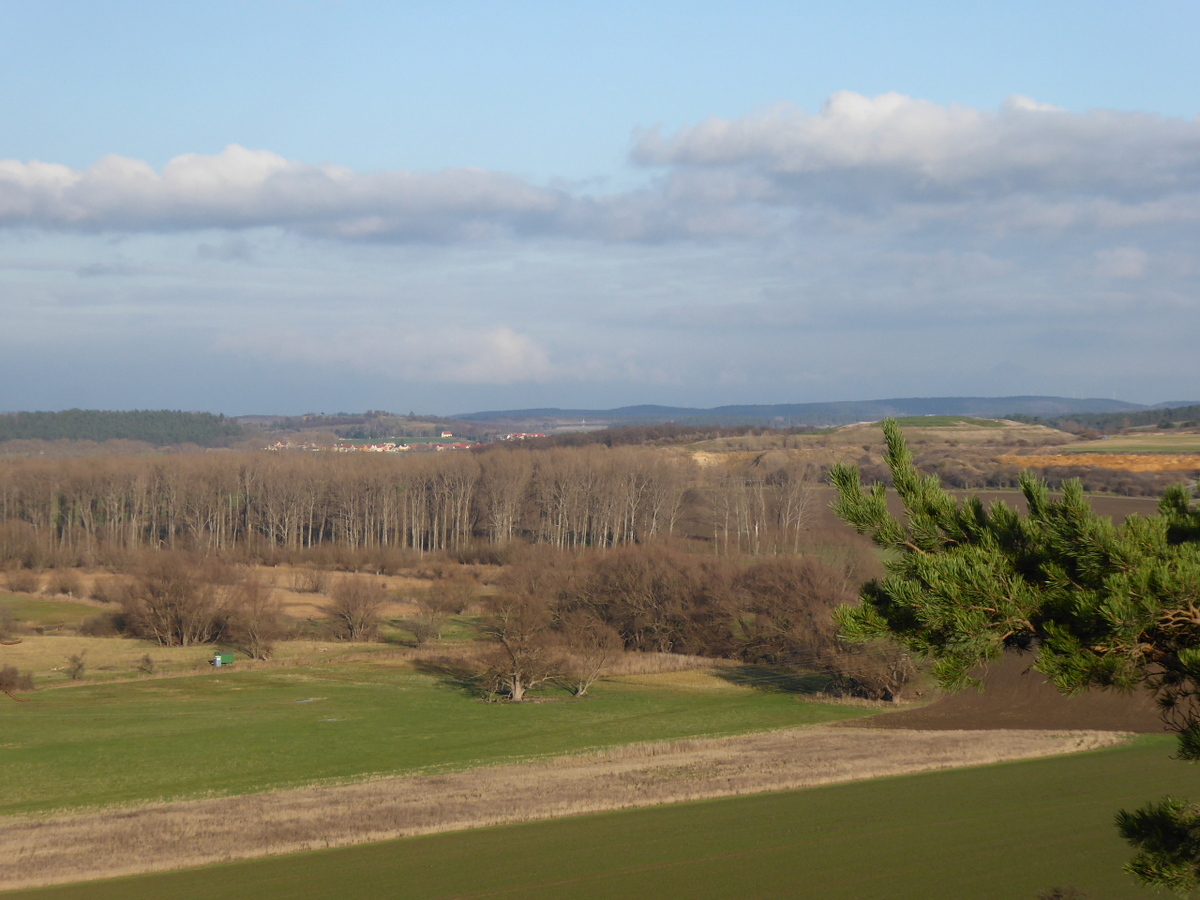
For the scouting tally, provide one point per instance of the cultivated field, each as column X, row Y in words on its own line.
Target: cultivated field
column 166, row 836
column 1154, row 442
column 990, row 833
column 133, row 756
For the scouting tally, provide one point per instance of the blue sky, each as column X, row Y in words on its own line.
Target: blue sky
column 273, row 206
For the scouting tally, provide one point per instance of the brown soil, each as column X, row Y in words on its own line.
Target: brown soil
column 1014, row 696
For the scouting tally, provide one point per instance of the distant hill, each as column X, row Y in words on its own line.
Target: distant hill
column 814, row 414
column 1163, row 415
column 160, row 427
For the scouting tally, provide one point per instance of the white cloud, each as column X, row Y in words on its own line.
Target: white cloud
column 1025, row 165
column 888, row 162
column 241, row 188
column 447, row 354
column 1121, row 262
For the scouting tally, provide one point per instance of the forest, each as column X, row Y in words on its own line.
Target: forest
column 156, row 427
column 258, row 503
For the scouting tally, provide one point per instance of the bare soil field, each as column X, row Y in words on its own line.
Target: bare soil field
column 156, row 837
column 1015, row 697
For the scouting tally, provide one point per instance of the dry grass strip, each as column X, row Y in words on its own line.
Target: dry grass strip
column 40, row 850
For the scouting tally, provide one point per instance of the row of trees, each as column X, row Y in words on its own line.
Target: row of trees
column 158, row 427
column 556, row 613
column 569, row 498
column 559, row 613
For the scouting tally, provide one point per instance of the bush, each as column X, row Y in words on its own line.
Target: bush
column 65, row 581
column 107, row 624
column 172, row 602
column 8, row 624
column 357, row 601
column 445, row 598
column 75, row 666
column 11, row 680
column 310, row 581
column 110, row 590
column 22, row 581
column 255, row 617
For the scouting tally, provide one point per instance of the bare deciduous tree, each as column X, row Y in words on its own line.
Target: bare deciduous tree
column 171, row 601
column 446, row 597
column 589, row 644
column 357, row 602
column 255, row 616
column 520, row 622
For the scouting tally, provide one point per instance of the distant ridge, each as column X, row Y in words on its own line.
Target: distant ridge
column 817, row 414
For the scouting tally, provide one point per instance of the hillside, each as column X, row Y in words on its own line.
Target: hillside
column 813, row 414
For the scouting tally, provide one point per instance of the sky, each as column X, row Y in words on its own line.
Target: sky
column 288, row 206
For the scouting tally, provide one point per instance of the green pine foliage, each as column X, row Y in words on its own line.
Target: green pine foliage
column 1102, row 605
column 158, row 427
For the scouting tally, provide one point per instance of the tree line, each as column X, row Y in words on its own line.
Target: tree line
column 157, row 427
column 1108, row 423
column 562, row 615
column 52, row 511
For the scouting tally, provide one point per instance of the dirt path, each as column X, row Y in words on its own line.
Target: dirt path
column 155, row 837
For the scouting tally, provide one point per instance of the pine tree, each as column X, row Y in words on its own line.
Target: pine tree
column 1104, row 606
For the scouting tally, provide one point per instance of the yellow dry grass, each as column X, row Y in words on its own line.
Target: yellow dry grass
column 154, row 837
column 1127, row 462
column 106, row 659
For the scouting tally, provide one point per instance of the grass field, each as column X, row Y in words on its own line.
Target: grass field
column 35, row 611
column 241, row 731
column 949, row 422
column 1005, row 831
column 1186, row 442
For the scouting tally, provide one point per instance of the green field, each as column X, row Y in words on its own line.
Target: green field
column 242, row 731
column 992, row 833
column 948, row 422
column 46, row 613
column 1185, row 443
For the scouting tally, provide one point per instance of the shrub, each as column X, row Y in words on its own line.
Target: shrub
column 255, row 617
column 357, row 601
column 110, row 590
column 172, row 602
column 11, row 680
column 310, row 581
column 65, row 581
column 75, row 666
column 8, row 624
column 107, row 624
column 22, row 581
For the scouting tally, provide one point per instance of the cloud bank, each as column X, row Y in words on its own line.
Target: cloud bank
column 1023, row 166
column 879, row 246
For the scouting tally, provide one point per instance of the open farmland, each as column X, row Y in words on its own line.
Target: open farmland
column 1000, row 831
column 1135, row 442
column 155, row 760
column 234, row 731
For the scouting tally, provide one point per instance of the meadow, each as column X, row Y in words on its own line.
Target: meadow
column 239, row 731
column 1154, row 442
column 1003, row 831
